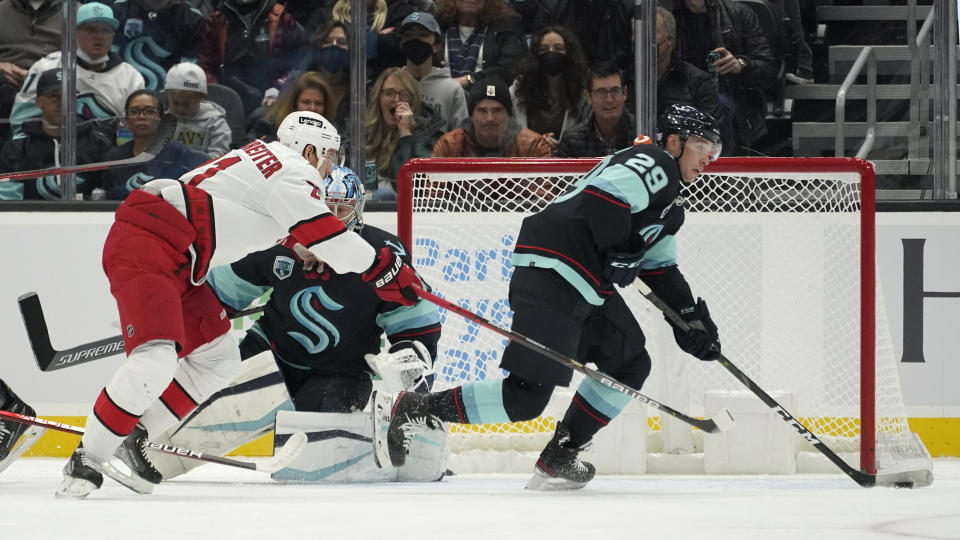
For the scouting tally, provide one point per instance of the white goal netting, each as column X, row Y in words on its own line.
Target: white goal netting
column 776, row 253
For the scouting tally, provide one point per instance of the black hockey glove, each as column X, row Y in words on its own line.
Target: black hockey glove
column 622, row 268
column 701, row 339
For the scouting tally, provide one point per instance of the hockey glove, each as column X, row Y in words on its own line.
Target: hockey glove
column 701, row 338
column 394, row 280
column 622, row 268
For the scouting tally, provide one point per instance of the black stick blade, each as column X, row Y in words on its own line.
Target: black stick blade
column 50, row 359
column 36, row 328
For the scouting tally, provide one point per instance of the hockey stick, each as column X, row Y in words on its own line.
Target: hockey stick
column 165, row 131
column 50, row 359
column 916, row 478
column 720, row 423
column 287, row 453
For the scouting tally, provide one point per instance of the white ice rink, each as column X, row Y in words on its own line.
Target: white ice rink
column 216, row 502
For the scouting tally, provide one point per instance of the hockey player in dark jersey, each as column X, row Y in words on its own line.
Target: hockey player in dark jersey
column 321, row 332
column 615, row 224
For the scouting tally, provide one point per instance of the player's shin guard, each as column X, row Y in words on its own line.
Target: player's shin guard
column 207, row 369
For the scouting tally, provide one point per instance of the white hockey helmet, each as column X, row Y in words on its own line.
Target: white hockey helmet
column 301, row 128
column 343, row 194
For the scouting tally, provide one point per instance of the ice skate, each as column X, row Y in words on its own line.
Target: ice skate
column 133, row 453
column 11, row 431
column 81, row 476
column 559, row 466
column 395, row 422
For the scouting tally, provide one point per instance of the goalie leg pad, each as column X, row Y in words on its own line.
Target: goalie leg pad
column 339, row 451
column 237, row 415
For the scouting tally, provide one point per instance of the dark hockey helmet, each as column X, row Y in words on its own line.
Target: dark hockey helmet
column 688, row 121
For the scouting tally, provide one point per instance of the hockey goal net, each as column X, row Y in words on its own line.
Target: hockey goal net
column 782, row 249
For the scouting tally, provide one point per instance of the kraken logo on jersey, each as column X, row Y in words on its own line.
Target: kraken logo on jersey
column 397, row 247
column 283, row 267
column 305, row 308
column 137, row 181
column 650, row 233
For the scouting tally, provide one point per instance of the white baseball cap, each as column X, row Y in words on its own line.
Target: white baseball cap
column 187, row 76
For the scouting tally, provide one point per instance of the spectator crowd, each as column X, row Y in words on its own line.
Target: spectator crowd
column 446, row 78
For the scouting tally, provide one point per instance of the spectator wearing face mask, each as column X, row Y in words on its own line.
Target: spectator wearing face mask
column 104, row 80
column 383, row 41
column 329, row 55
column 547, row 94
column 156, row 34
column 421, row 41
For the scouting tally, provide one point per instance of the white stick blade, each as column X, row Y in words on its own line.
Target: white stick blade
column 724, row 420
column 905, row 479
column 287, row 453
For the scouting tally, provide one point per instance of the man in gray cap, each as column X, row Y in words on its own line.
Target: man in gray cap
column 420, row 42
column 103, row 80
column 491, row 130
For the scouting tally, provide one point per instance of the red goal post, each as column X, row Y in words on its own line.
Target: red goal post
column 465, row 199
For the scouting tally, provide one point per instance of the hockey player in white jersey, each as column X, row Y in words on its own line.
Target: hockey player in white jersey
column 307, row 362
column 156, row 257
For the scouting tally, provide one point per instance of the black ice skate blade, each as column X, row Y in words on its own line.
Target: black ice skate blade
column 542, row 481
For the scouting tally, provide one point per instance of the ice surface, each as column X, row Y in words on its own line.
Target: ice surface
column 216, row 502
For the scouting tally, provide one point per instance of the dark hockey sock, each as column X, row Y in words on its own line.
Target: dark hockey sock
column 513, row 399
column 593, row 406
column 583, row 420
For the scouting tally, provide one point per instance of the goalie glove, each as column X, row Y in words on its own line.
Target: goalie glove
column 622, row 268
column 701, row 339
column 394, row 279
column 405, row 367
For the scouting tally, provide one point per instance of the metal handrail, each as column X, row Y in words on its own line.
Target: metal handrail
column 920, row 86
column 868, row 58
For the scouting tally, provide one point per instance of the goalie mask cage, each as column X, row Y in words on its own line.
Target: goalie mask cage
column 781, row 248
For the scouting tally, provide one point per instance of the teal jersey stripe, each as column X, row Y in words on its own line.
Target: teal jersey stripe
column 484, row 401
column 566, row 272
column 419, row 315
column 624, row 184
column 602, row 398
column 233, row 290
column 661, row 254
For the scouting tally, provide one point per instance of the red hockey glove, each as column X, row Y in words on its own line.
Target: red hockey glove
column 393, row 279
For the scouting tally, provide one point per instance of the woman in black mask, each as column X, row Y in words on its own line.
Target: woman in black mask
column 547, row 95
column 330, row 56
